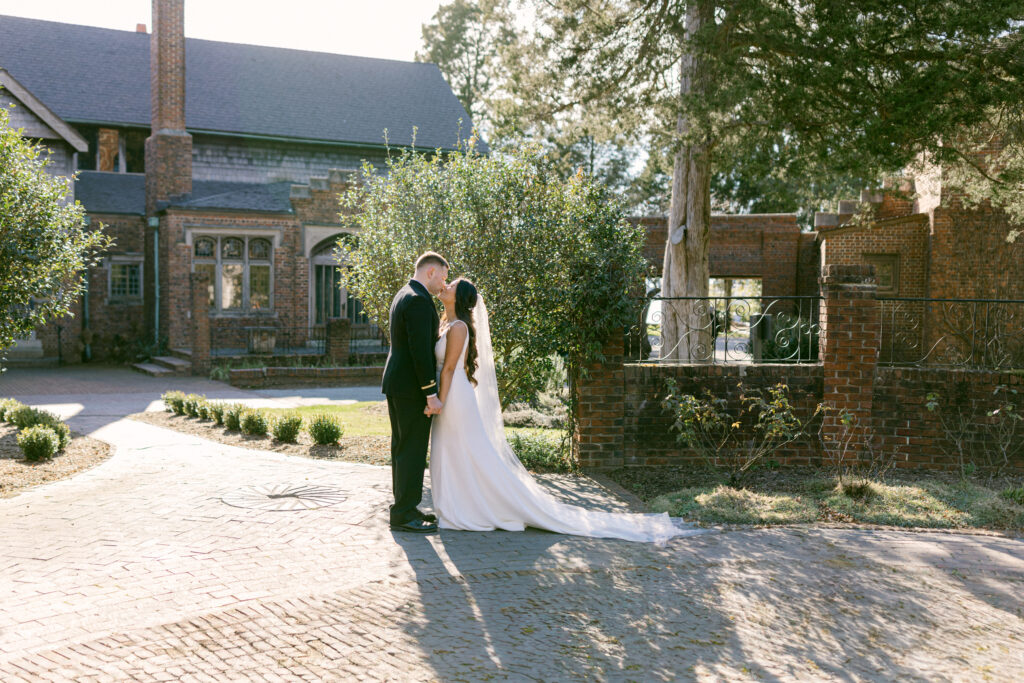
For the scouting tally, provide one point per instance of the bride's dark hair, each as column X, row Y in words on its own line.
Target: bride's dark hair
column 465, row 302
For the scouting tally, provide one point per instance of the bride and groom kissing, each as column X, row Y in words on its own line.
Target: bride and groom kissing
column 442, row 390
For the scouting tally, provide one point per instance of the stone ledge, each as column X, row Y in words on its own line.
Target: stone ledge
column 261, row 378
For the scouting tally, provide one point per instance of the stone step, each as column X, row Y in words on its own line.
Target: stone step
column 153, row 370
column 178, row 365
column 184, row 354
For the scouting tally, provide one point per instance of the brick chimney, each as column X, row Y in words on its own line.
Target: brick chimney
column 140, row 28
column 169, row 147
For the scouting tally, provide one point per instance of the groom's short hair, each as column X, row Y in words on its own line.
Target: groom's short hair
column 431, row 258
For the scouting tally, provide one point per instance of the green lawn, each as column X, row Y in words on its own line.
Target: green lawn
column 370, row 418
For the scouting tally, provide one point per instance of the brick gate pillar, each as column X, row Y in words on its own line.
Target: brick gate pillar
column 339, row 333
column 850, row 340
column 598, row 439
column 200, row 323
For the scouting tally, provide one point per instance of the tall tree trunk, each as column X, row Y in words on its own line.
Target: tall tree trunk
column 686, row 325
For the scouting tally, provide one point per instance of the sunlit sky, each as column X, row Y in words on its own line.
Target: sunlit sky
column 389, row 29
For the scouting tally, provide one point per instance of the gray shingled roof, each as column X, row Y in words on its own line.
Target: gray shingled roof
column 101, row 192
column 87, row 74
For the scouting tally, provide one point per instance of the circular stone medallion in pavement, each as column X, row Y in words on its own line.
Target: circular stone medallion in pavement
column 284, row 497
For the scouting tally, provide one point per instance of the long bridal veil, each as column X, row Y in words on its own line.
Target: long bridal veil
column 541, row 509
column 487, row 398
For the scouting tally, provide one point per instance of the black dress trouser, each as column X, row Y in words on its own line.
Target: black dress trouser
column 410, row 434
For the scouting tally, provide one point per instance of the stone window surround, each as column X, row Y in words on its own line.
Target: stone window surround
column 131, row 259
column 273, row 235
column 880, row 261
column 315, row 238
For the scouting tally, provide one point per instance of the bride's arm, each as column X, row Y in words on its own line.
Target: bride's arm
column 456, row 338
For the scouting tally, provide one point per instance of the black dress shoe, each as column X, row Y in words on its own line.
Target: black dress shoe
column 428, row 517
column 416, row 526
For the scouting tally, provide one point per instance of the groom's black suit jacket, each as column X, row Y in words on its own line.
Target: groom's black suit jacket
column 411, row 369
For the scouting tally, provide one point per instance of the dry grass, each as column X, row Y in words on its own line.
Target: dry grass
column 16, row 474
column 803, row 495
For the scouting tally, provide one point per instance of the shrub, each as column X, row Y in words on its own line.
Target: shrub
column 38, row 442
column 203, row 408
column 216, row 412
column 1014, row 495
column 233, row 416
column 540, row 452
column 764, row 422
column 220, row 373
column 174, row 402
column 325, row 429
column 254, row 422
column 287, row 427
column 571, row 243
column 861, row 490
column 27, row 416
column 191, row 404
column 7, row 405
column 21, row 416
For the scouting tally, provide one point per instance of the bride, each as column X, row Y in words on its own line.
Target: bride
column 477, row 482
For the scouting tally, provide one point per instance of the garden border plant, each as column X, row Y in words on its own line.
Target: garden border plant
column 706, row 426
column 41, row 434
column 986, row 442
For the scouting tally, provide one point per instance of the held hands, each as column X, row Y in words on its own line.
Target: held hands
column 434, row 406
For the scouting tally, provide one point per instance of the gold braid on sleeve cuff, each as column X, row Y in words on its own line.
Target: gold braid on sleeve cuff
column 432, row 384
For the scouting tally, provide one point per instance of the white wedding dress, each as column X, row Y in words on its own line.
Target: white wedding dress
column 478, row 483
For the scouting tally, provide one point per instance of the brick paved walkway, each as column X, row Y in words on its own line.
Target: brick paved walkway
column 136, row 570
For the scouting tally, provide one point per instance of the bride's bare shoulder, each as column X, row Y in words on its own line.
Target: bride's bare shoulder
column 457, row 330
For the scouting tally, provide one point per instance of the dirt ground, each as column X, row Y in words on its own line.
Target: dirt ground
column 16, row 474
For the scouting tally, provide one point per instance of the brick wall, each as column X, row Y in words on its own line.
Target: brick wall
column 620, row 420
column 291, row 270
column 905, row 237
column 850, row 341
column 648, row 439
column 766, row 246
column 970, row 255
column 905, row 427
column 112, row 322
column 62, row 338
column 317, row 203
column 598, row 441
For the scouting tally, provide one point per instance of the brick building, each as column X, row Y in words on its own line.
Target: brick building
column 922, row 240
column 214, row 158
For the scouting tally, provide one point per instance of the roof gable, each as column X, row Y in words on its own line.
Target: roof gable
column 87, row 74
column 51, row 121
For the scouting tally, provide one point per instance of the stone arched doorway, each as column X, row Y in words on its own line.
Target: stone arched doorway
column 329, row 299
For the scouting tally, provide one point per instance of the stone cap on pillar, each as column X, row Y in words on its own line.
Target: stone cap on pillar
column 852, row 274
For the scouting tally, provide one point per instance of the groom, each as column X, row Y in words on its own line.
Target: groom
column 410, row 383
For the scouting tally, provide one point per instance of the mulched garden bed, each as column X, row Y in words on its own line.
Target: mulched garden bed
column 371, row 450
column 16, row 474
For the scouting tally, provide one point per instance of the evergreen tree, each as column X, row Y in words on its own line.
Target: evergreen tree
column 815, row 89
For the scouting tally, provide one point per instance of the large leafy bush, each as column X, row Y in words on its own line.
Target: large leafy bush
column 555, row 259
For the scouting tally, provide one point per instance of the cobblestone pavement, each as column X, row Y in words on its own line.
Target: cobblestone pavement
column 91, row 396
column 137, row 570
